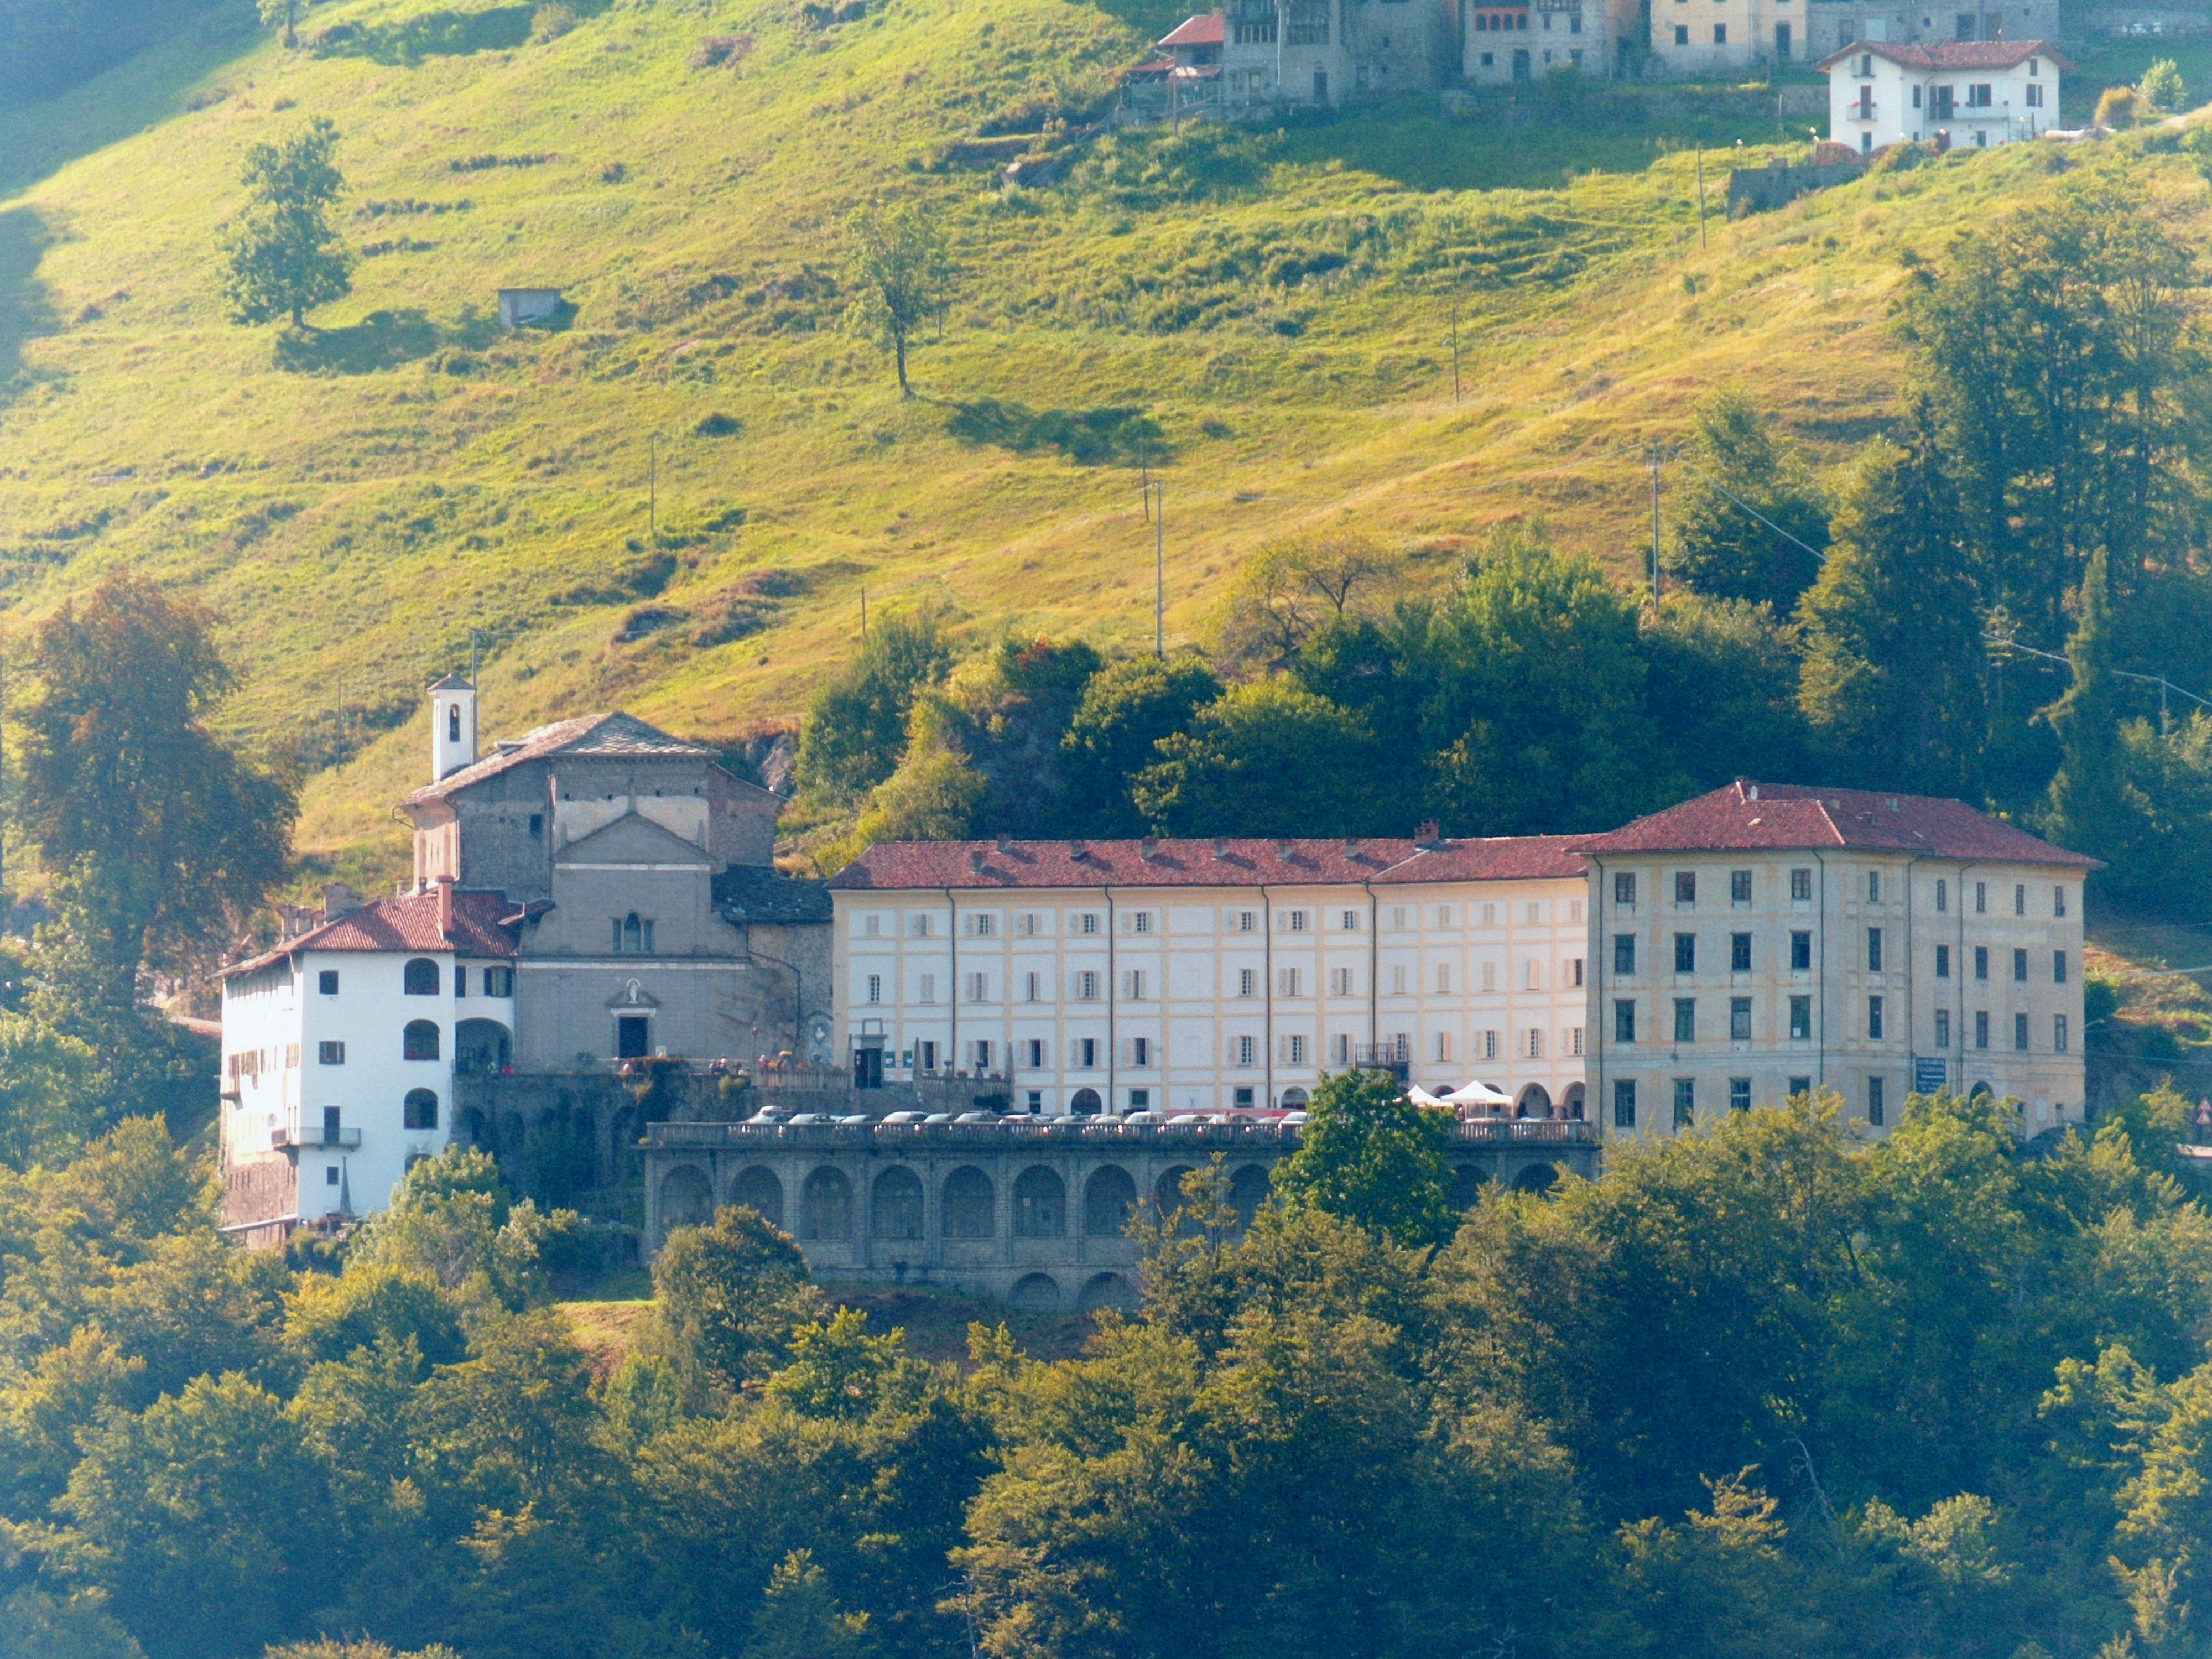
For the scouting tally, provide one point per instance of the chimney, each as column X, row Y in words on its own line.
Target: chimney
column 975, row 861
column 452, row 726
column 1429, row 834
column 1146, row 848
column 445, row 906
column 339, row 899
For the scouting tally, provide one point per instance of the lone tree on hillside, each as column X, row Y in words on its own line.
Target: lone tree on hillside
column 284, row 15
column 284, row 256
column 900, row 273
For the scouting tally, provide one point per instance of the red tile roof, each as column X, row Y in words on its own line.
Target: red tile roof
column 615, row 735
column 1207, row 30
column 912, row 865
column 1748, row 817
column 407, row 924
column 1951, row 54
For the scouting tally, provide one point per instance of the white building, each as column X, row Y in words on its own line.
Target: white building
column 1767, row 939
column 339, row 1048
column 1185, row 976
column 1980, row 92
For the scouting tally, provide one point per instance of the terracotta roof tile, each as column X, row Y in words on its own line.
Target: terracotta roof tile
column 907, row 866
column 1951, row 54
column 405, row 924
column 1748, row 817
column 1202, row 31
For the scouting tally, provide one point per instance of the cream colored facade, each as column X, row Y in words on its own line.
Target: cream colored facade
column 1873, row 974
column 1196, row 998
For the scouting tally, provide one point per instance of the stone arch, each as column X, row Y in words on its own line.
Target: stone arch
column 970, row 1205
column 419, row 1110
column 1538, row 1178
column 1084, row 1101
column 1534, row 1101
column 1295, row 1100
column 419, row 978
column 895, row 1205
column 1980, row 1088
column 1106, row 1291
column 1247, row 1191
column 418, row 1040
column 1571, row 1102
column 484, row 1046
column 1167, row 1191
column 470, row 1128
column 1466, row 1186
column 825, row 1206
column 1040, row 1204
column 687, row 1200
column 513, row 1136
column 760, row 1189
column 1107, row 1198
column 1036, row 1291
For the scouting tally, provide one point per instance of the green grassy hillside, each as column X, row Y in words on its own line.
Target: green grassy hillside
column 1266, row 320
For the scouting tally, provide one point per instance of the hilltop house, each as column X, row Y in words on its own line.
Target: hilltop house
column 1729, row 38
column 1981, row 92
column 1318, row 52
column 1504, row 42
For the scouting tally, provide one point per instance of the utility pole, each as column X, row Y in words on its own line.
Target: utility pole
column 653, row 490
column 1160, row 574
column 1654, row 457
column 1144, row 471
column 864, row 613
column 1701, row 196
column 1454, row 352
column 473, row 659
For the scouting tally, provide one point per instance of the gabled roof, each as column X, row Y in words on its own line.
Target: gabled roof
column 632, row 838
column 919, row 866
column 613, row 736
column 408, row 924
column 1205, row 31
column 1951, row 54
column 1748, row 817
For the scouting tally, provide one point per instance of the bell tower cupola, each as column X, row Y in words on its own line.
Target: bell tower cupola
column 452, row 726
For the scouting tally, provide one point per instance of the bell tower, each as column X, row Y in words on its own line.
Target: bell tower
column 452, row 726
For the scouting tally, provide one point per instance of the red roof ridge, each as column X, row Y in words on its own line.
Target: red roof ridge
column 1202, row 861
column 1949, row 54
column 406, row 922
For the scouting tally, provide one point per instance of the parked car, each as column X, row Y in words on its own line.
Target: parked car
column 938, row 1117
column 856, row 1118
column 906, row 1117
column 1145, row 1117
column 809, row 1118
column 766, row 1116
column 976, row 1118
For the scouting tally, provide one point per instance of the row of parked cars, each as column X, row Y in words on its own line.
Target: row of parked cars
column 770, row 1116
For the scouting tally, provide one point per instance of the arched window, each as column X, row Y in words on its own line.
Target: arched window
column 420, row 977
column 761, row 1190
column 970, row 1205
column 1040, row 1204
column 896, row 1207
column 825, row 1206
column 420, row 1040
column 1107, row 1202
column 420, row 1109
column 453, row 723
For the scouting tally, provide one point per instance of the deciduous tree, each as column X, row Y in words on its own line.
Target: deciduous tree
column 285, row 258
column 901, row 274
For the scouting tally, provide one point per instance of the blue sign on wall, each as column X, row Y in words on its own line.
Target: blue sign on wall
column 1928, row 1075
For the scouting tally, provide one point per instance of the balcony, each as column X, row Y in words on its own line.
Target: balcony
column 293, row 1141
column 1859, row 111
column 1395, row 1058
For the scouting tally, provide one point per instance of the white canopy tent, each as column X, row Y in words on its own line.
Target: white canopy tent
column 1476, row 1093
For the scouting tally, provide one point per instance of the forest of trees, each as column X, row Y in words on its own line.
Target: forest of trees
column 1766, row 1390
column 2040, row 491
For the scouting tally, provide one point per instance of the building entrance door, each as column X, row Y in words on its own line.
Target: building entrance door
column 1321, row 86
column 867, row 1068
column 1520, row 65
column 633, row 1037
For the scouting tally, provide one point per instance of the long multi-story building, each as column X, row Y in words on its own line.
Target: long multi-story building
column 1193, row 975
column 1764, row 940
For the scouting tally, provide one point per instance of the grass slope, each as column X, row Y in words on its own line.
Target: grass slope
column 1267, row 324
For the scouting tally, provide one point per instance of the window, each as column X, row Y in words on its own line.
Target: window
column 1739, row 1094
column 1089, row 924
column 1982, row 1027
column 1026, row 924
column 1535, row 913
column 1087, row 1051
column 1624, row 1103
column 1140, row 921
column 1575, row 972
column 1943, row 961
column 1035, row 1098
column 1800, row 886
column 2020, row 899
column 327, row 982
column 1140, row 1051
column 419, row 1111
column 1535, row 976
column 1978, row 95
column 1133, row 984
column 925, row 1055
column 1682, row 38
column 2058, row 967
column 1243, row 1098
column 2058, row 1034
column 1340, row 1049
column 1086, row 986
column 1874, row 949
column 1443, row 977
column 1874, row 887
column 1874, row 1100
column 1248, row 981
column 2057, row 893
column 920, row 928
column 1720, row 34
column 1297, row 921
column 330, row 1053
column 1444, row 915
column 1397, row 915
column 1574, row 910
column 1352, row 921
column 537, row 826
column 1286, row 982
column 1624, row 955
column 1801, row 1085
column 1685, row 1102
column 1247, row 921
column 499, row 982
column 1029, row 987
column 460, row 979
column 1397, row 981
column 1981, row 898
column 979, row 987
column 634, row 936
column 1685, row 953
column 1444, row 1045
column 1247, row 1051
column 1535, row 1047
column 1739, row 953
column 2019, row 1032
column 1943, row 888
column 1873, row 1019
column 419, row 1041
column 1981, row 961
column 419, row 978
column 1801, row 1018
column 1915, row 94
column 1624, row 1020
column 1942, row 1028
column 1740, row 886
column 1294, row 1049
column 928, row 988
column 1685, row 1019
column 330, row 1174
column 1624, row 889
column 875, row 987
column 1575, row 1040
column 1686, row 887
column 1034, row 1048
column 2019, row 967
column 1801, row 952
column 1490, row 1045
column 1339, row 981
column 985, row 925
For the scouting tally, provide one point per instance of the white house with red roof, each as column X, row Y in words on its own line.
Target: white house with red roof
column 1118, row 976
column 1764, row 940
column 1977, row 93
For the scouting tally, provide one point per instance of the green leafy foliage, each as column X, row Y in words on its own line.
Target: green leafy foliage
column 1371, row 1156
column 283, row 256
column 1748, row 523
